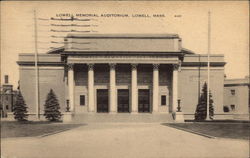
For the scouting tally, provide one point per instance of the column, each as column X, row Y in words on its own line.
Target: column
column 71, row 86
column 155, row 87
column 175, row 87
column 91, row 106
column 112, row 89
column 134, row 90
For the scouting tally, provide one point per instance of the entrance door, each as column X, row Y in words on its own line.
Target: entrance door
column 123, row 100
column 143, row 100
column 102, row 100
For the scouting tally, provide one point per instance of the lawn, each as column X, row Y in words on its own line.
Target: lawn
column 217, row 129
column 31, row 129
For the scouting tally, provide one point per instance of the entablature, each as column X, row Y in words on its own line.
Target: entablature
column 123, row 59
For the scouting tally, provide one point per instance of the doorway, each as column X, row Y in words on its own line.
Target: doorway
column 102, row 100
column 123, row 100
column 143, row 100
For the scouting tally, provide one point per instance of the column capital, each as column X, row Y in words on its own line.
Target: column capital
column 112, row 65
column 91, row 66
column 176, row 67
column 156, row 66
column 70, row 66
column 134, row 66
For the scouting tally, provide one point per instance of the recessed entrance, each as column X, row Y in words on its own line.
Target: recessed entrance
column 102, row 100
column 123, row 100
column 143, row 100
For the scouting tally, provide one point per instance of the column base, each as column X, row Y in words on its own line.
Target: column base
column 208, row 118
column 179, row 117
column 112, row 112
column 67, row 117
column 10, row 116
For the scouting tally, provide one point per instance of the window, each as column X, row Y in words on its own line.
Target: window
column 225, row 109
column 163, row 100
column 82, row 100
column 6, row 79
column 7, row 107
column 232, row 107
column 233, row 91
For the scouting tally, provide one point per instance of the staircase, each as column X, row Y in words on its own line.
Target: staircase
column 122, row 118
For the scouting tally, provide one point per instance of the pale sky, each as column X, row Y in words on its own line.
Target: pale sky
column 229, row 27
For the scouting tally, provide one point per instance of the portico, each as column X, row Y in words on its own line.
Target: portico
column 131, row 95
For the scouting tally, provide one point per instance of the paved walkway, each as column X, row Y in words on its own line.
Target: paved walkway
column 123, row 140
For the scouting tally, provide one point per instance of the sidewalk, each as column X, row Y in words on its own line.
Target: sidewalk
column 124, row 140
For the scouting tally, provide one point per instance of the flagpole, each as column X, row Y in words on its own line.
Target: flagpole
column 208, row 63
column 36, row 69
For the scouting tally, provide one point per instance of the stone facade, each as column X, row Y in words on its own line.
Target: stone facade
column 236, row 98
column 152, row 72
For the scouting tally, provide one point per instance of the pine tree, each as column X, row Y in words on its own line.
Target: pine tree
column 51, row 107
column 20, row 108
column 201, row 110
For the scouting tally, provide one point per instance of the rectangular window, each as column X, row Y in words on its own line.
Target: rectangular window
column 226, row 108
column 163, row 100
column 82, row 100
column 233, row 91
column 6, row 79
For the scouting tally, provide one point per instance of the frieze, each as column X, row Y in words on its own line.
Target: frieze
column 125, row 56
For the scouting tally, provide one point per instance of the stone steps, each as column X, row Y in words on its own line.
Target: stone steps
column 122, row 117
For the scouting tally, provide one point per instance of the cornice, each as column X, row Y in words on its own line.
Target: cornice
column 125, row 53
column 236, row 84
column 31, row 63
column 202, row 64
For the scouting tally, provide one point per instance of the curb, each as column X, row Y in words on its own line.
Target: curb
column 193, row 132
column 52, row 133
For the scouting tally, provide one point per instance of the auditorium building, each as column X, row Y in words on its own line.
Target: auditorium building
column 122, row 73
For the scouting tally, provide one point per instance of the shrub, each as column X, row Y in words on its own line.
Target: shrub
column 51, row 107
column 20, row 108
column 201, row 110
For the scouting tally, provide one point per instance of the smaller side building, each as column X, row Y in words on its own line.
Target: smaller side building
column 237, row 98
column 8, row 98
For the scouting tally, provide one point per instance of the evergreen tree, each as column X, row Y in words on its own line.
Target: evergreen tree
column 201, row 110
column 51, row 107
column 20, row 108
